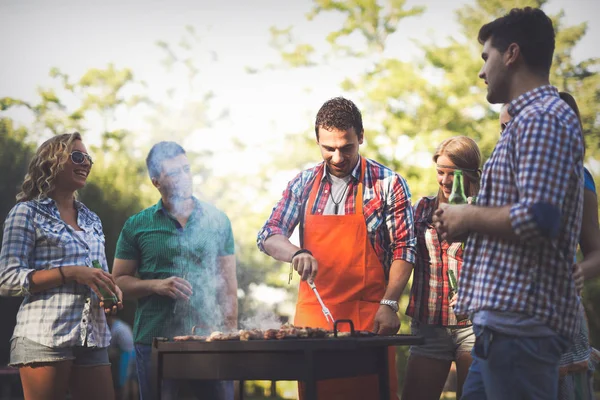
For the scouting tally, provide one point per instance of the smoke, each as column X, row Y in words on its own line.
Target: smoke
column 199, row 247
column 196, row 250
column 262, row 320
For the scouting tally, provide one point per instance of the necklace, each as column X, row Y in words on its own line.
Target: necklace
column 337, row 203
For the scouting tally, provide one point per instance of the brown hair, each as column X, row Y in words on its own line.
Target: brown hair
column 531, row 29
column 465, row 154
column 339, row 113
column 45, row 165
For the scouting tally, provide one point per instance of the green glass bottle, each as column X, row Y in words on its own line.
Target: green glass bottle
column 453, row 290
column 109, row 298
column 458, row 190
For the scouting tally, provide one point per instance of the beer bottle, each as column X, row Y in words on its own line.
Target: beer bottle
column 453, row 290
column 109, row 298
column 458, row 190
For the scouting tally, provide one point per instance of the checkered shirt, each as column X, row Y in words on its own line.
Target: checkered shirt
column 36, row 238
column 429, row 303
column 535, row 167
column 386, row 208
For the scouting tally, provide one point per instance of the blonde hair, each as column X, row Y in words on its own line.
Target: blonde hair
column 465, row 154
column 45, row 165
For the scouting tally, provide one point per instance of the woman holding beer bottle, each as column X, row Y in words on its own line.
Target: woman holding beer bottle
column 50, row 243
column 448, row 337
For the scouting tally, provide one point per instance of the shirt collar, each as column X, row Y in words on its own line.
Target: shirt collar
column 160, row 207
column 48, row 201
column 355, row 171
column 518, row 104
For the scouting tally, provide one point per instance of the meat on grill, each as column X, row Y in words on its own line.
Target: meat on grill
column 220, row 336
column 252, row 334
column 286, row 331
column 189, row 337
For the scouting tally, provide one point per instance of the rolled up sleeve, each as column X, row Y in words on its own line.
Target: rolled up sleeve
column 400, row 221
column 17, row 246
column 544, row 164
column 285, row 215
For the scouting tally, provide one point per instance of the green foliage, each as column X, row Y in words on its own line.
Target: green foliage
column 15, row 153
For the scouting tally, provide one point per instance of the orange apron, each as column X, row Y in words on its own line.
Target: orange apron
column 351, row 283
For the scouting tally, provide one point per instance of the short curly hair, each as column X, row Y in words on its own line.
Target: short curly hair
column 341, row 114
column 528, row 27
column 48, row 161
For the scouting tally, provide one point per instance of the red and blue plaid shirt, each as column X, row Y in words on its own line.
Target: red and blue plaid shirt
column 537, row 167
column 386, row 207
column 429, row 303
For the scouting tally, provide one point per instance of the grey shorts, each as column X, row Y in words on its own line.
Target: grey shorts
column 442, row 343
column 25, row 352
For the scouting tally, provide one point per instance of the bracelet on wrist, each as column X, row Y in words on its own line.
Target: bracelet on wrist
column 300, row 252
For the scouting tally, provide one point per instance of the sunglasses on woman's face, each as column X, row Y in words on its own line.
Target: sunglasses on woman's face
column 78, row 157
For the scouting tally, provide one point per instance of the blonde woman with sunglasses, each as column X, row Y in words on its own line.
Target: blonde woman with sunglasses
column 50, row 242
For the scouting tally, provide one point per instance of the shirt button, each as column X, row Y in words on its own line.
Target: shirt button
column 319, row 210
column 326, row 191
column 84, row 320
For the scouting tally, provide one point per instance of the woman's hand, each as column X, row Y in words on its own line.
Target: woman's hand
column 101, row 282
column 111, row 308
column 578, row 277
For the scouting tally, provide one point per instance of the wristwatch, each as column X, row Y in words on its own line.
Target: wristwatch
column 391, row 304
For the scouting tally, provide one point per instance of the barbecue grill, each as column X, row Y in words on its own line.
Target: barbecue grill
column 307, row 360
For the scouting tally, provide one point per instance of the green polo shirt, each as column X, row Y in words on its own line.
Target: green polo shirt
column 164, row 249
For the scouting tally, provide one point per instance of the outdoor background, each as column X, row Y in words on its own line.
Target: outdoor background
column 238, row 84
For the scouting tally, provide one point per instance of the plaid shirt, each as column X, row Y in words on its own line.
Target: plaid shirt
column 537, row 168
column 36, row 238
column 386, row 207
column 429, row 303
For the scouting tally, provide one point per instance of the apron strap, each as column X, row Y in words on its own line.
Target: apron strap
column 317, row 182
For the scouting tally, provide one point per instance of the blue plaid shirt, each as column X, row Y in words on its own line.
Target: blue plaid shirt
column 537, row 167
column 36, row 238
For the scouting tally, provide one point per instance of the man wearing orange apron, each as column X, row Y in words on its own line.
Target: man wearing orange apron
column 356, row 232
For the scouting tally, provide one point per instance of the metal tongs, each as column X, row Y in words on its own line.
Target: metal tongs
column 325, row 310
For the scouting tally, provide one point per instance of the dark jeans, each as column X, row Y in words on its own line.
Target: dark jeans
column 513, row 367
column 203, row 390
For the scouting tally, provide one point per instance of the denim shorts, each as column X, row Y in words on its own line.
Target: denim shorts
column 25, row 352
column 441, row 342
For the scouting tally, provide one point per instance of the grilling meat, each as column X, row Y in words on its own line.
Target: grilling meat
column 189, row 337
column 287, row 331
column 220, row 336
column 270, row 334
column 252, row 334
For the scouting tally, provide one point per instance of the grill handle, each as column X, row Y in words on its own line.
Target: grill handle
column 347, row 321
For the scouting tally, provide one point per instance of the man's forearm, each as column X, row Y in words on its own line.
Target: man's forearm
column 134, row 287
column 280, row 248
column 492, row 221
column 400, row 271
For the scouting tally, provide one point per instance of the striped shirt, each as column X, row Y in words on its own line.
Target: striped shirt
column 429, row 303
column 386, row 208
column 536, row 167
column 36, row 238
column 163, row 248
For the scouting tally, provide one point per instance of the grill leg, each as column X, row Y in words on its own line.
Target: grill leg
column 309, row 378
column 384, row 374
column 157, row 372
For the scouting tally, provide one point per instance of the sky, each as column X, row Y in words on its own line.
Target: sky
column 77, row 35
